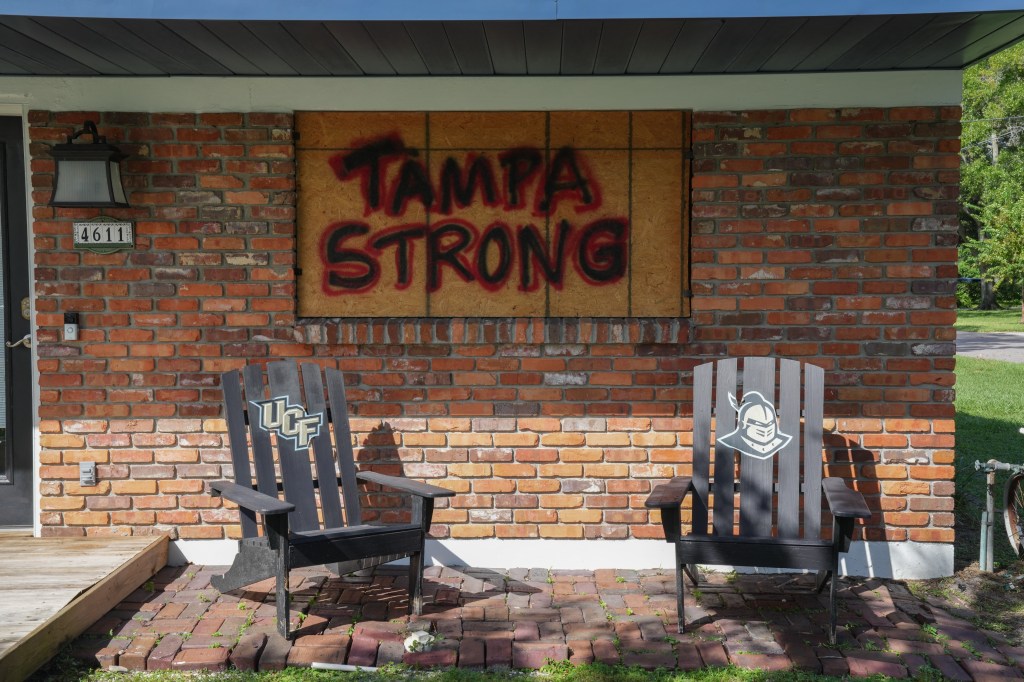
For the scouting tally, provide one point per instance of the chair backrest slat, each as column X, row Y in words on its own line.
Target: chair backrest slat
column 295, row 465
column 814, row 400
column 343, row 443
column 701, row 446
column 789, row 456
column 234, row 413
column 262, row 449
column 725, row 458
column 330, row 501
column 757, row 475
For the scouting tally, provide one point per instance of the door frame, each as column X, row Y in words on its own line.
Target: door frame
column 32, row 378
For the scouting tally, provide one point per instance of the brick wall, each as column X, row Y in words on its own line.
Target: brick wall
column 826, row 235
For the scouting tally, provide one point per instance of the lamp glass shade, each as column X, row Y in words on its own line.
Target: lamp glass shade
column 88, row 176
column 81, row 181
column 117, row 190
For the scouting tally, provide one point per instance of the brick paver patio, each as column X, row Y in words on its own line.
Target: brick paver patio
column 523, row 617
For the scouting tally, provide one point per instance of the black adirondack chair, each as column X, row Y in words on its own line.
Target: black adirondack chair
column 778, row 457
column 296, row 531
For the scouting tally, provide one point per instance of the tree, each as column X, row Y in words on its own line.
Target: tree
column 1001, row 252
column 992, row 170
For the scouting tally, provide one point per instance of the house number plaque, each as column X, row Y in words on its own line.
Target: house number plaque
column 104, row 235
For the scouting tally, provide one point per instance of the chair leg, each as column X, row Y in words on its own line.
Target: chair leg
column 255, row 561
column 833, row 589
column 416, row 583
column 277, row 532
column 832, row 613
column 283, row 598
column 680, row 592
column 841, row 533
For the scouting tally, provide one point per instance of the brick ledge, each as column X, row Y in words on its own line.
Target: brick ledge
column 503, row 330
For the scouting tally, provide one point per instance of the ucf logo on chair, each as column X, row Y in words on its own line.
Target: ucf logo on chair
column 757, row 434
column 281, row 417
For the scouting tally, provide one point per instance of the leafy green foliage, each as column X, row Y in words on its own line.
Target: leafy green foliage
column 992, row 170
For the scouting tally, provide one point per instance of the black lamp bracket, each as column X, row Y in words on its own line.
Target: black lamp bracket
column 88, row 128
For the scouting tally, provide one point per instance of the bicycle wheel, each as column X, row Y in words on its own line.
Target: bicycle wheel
column 1013, row 512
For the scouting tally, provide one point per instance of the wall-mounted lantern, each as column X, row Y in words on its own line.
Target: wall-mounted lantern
column 88, row 174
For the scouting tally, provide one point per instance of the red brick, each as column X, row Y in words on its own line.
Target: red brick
column 363, row 651
column 213, row 660
column 438, row 658
column 535, row 654
column 275, row 653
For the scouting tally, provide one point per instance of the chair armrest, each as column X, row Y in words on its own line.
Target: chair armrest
column 250, row 499
column 405, row 485
column 667, row 497
column 671, row 494
column 843, row 501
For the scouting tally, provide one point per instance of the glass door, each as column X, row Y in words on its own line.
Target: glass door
column 16, row 419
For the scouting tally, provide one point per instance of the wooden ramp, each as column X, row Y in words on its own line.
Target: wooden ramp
column 52, row 589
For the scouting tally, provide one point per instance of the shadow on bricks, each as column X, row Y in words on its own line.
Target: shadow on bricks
column 524, row 618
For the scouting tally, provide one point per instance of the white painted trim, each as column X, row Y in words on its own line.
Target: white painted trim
column 900, row 560
column 512, row 93
column 202, row 552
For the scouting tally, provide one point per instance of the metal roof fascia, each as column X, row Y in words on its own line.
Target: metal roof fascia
column 734, row 9
column 275, row 10
column 483, row 10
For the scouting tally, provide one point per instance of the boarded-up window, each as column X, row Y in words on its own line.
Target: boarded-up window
column 493, row 214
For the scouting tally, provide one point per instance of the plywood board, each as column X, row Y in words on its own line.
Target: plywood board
column 494, row 131
column 597, row 272
column 659, row 129
column 656, row 231
column 493, row 214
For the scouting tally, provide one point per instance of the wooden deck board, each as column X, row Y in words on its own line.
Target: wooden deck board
column 54, row 588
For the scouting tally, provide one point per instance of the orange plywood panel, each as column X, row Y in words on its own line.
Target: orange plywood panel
column 465, row 214
column 352, row 129
column 590, row 129
column 596, row 261
column 474, row 266
column 658, row 129
column 493, row 130
column 656, row 254
column 346, row 269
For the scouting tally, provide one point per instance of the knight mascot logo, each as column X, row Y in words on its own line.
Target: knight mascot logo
column 278, row 415
column 757, row 433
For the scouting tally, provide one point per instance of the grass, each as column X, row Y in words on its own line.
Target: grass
column 990, row 410
column 556, row 672
column 989, row 320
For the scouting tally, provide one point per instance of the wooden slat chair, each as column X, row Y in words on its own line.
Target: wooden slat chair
column 779, row 459
column 296, row 532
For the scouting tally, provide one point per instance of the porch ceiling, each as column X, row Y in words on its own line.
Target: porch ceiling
column 506, row 38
